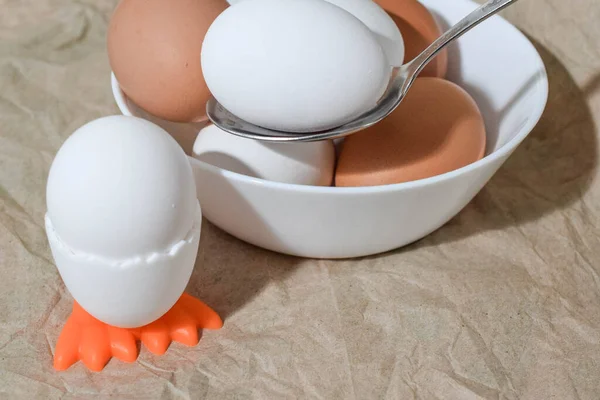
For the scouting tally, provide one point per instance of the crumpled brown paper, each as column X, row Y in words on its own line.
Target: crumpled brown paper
column 501, row 303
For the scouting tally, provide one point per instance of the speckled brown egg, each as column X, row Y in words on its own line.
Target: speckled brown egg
column 436, row 129
column 154, row 51
column 419, row 29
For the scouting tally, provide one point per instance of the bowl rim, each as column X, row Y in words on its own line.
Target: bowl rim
column 507, row 148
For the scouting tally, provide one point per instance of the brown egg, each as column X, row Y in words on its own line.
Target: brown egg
column 419, row 29
column 436, row 129
column 154, row 51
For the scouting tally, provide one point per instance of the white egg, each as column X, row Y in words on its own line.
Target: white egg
column 119, row 186
column 309, row 163
column 380, row 23
column 123, row 221
column 293, row 65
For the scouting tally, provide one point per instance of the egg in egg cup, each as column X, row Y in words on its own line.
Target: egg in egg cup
column 123, row 224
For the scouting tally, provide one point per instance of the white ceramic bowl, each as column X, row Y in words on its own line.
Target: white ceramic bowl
column 494, row 62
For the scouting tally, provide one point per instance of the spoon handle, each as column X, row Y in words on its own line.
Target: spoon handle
column 464, row 25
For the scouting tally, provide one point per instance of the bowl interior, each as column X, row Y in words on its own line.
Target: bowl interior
column 498, row 66
column 494, row 63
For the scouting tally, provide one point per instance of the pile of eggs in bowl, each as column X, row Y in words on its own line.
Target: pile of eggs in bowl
column 297, row 65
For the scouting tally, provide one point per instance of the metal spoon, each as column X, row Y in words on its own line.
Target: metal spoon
column 400, row 82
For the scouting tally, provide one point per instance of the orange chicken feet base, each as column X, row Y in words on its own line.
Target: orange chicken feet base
column 94, row 343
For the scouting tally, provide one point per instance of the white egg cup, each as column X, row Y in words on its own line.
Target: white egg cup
column 332, row 222
column 132, row 292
